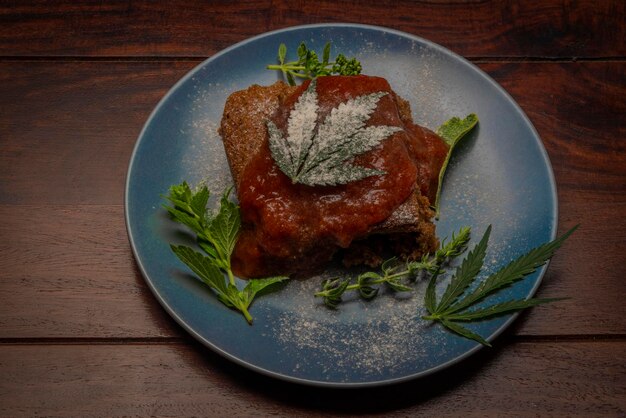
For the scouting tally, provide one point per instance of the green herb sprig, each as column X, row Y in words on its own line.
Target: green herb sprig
column 392, row 273
column 308, row 65
column 216, row 235
column 456, row 305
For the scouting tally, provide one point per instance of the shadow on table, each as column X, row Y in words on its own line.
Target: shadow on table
column 354, row 400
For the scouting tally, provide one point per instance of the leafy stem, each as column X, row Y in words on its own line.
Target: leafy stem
column 309, row 66
column 216, row 235
column 392, row 273
column 457, row 304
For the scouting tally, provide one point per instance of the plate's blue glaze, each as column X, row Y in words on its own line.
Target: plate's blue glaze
column 501, row 176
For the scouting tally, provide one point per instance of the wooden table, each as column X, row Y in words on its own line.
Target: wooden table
column 81, row 334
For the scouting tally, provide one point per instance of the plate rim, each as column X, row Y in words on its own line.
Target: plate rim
column 319, row 383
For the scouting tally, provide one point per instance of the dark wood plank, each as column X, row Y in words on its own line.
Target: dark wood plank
column 527, row 379
column 83, row 119
column 67, row 130
column 68, row 272
column 580, row 115
column 555, row 28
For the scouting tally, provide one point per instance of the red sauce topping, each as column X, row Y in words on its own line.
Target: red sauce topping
column 290, row 227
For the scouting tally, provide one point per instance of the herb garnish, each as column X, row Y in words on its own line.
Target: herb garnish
column 455, row 304
column 308, row 65
column 320, row 156
column 451, row 132
column 392, row 272
column 216, row 235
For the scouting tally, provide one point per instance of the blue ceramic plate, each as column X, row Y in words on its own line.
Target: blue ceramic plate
column 500, row 176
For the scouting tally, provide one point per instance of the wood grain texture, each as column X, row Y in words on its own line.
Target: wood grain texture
column 84, row 118
column 69, row 272
column 80, row 332
column 76, row 278
column 67, row 131
column 554, row 28
column 567, row 379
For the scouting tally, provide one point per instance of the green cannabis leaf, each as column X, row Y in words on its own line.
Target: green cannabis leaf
column 392, row 273
column 457, row 305
column 320, row 157
column 308, row 65
column 451, row 132
column 216, row 235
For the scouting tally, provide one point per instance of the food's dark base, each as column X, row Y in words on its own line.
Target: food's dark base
column 371, row 252
column 408, row 233
column 375, row 249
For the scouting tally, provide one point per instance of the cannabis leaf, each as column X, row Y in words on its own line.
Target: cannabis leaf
column 451, row 132
column 216, row 235
column 457, row 305
column 308, row 65
column 321, row 157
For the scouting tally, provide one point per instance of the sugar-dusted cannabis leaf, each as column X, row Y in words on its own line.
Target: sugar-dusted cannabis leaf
column 452, row 131
column 216, row 234
column 458, row 305
column 308, row 65
column 320, row 154
column 394, row 274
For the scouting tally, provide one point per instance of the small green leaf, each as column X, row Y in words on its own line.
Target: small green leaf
column 368, row 292
column 465, row 273
column 332, row 290
column 255, row 287
column 302, row 51
column 282, row 53
column 224, row 228
column 430, row 298
column 499, row 309
column 397, row 286
column 464, row 332
column 202, row 266
column 368, row 277
column 326, row 53
column 452, row 131
column 184, row 218
column 455, row 247
column 455, row 128
column 199, row 201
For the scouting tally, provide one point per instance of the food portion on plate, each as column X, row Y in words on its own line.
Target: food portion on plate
column 335, row 164
column 333, row 167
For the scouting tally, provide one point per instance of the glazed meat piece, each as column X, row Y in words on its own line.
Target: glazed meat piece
column 295, row 228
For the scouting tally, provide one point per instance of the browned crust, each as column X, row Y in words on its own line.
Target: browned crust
column 409, row 231
column 243, row 125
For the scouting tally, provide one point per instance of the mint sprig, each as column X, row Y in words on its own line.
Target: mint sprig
column 216, row 235
column 457, row 305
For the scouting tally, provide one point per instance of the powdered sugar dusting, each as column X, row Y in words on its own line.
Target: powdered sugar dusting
column 383, row 337
column 372, row 337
